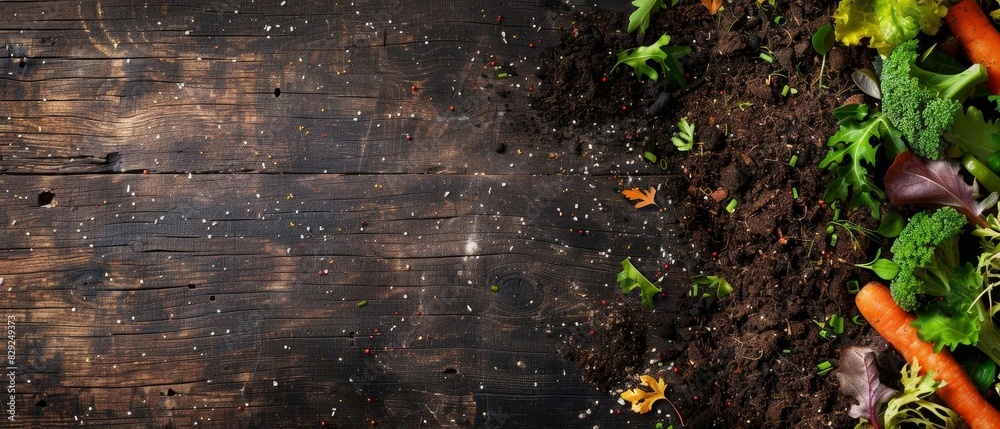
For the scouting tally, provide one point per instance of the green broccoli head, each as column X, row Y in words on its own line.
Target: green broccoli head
column 926, row 252
column 921, row 103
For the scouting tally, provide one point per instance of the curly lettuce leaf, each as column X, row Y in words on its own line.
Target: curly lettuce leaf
column 911, row 405
column 630, row 278
column 886, row 23
column 943, row 329
column 948, row 322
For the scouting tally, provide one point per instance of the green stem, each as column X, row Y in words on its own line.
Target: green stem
column 822, row 67
column 982, row 173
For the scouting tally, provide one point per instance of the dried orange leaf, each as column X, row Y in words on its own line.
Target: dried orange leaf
column 642, row 400
column 644, row 198
column 712, row 5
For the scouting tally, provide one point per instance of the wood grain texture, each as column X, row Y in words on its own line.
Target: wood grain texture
column 179, row 298
column 287, row 145
column 362, row 87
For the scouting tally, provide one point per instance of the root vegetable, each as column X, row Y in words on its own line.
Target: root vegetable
column 978, row 37
column 894, row 324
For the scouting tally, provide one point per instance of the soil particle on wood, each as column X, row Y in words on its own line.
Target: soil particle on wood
column 612, row 348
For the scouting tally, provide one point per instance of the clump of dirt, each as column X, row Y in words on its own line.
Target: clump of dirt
column 612, row 348
column 762, row 121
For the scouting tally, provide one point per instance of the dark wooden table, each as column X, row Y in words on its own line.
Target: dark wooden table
column 290, row 213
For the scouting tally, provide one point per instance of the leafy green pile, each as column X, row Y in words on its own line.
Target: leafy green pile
column 932, row 126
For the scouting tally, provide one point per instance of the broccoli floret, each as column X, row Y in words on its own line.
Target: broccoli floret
column 926, row 252
column 923, row 103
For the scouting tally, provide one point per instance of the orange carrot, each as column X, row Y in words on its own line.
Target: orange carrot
column 978, row 37
column 893, row 323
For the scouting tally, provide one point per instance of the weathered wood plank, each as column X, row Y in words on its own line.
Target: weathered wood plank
column 305, row 86
column 168, row 300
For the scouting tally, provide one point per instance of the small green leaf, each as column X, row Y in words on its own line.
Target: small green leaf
column 856, row 111
column 981, row 369
column 630, row 278
column 892, row 224
column 683, row 139
column 822, row 39
column 885, row 269
column 667, row 57
column 639, row 19
column 650, row 156
column 721, row 285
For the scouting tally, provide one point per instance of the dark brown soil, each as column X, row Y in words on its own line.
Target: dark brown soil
column 748, row 360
